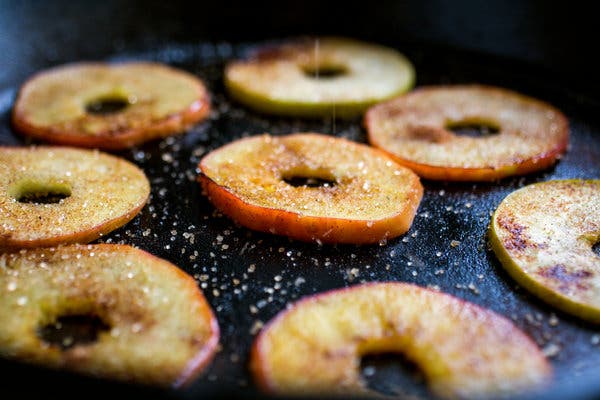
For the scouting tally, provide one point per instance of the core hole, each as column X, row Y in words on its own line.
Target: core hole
column 326, row 71
column 596, row 248
column 308, row 181
column 73, row 330
column 473, row 129
column 40, row 192
column 392, row 374
column 42, row 197
column 106, row 105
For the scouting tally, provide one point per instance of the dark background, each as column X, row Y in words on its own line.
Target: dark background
column 559, row 37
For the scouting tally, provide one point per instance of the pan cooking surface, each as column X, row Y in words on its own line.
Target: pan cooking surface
column 248, row 277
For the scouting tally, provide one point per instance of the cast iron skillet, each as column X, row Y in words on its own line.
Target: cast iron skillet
column 248, row 277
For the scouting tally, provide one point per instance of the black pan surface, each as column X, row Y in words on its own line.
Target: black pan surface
column 248, row 277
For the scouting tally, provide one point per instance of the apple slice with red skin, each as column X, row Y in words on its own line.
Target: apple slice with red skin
column 416, row 129
column 314, row 347
column 156, row 328
column 52, row 195
column 349, row 192
column 109, row 106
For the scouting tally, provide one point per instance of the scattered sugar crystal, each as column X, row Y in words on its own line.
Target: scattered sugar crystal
column 551, row 350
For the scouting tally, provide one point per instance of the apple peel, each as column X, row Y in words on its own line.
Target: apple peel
column 543, row 235
column 109, row 106
column 314, row 347
column 52, row 195
column 319, row 77
column 415, row 129
column 360, row 196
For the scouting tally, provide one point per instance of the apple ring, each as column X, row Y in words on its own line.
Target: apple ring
column 543, row 235
column 319, row 77
column 109, row 106
column 148, row 321
column 54, row 195
column 312, row 187
column 314, row 347
column 416, row 130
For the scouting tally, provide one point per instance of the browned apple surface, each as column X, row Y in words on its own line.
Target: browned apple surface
column 321, row 76
column 543, row 234
column 155, row 326
column 314, row 347
column 109, row 106
column 312, row 187
column 53, row 195
column 416, row 129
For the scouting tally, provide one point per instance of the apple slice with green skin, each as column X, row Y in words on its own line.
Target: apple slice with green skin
column 315, row 77
column 416, row 129
column 312, row 187
column 543, row 235
column 53, row 195
column 314, row 347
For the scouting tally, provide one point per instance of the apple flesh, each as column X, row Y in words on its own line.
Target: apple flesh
column 321, row 77
column 53, row 195
column 315, row 346
column 416, row 130
column 142, row 302
column 543, row 235
column 146, row 101
column 361, row 196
